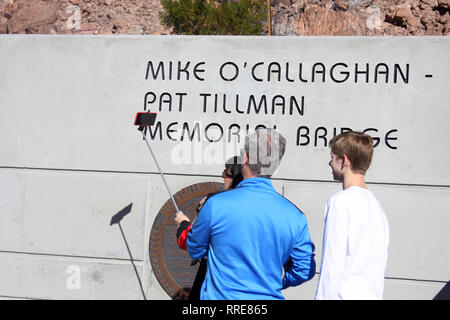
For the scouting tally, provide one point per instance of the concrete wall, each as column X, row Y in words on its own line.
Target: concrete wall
column 70, row 157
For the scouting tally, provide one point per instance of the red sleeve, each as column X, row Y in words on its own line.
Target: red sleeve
column 182, row 239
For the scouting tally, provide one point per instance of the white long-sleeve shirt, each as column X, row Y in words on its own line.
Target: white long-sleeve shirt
column 355, row 245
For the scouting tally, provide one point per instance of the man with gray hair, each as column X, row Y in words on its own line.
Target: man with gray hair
column 265, row 149
column 249, row 233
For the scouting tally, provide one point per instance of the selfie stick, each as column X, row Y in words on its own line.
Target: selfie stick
column 143, row 120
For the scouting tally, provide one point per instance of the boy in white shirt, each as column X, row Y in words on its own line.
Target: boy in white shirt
column 356, row 233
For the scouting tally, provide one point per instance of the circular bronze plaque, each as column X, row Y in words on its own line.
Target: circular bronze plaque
column 172, row 265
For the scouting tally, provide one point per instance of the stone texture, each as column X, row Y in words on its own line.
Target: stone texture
column 324, row 21
column 30, row 15
column 81, row 17
column 364, row 17
column 289, row 17
column 3, row 25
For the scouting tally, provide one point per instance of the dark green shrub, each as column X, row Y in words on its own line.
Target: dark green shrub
column 208, row 17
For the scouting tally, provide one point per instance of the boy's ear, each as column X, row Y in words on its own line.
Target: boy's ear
column 346, row 161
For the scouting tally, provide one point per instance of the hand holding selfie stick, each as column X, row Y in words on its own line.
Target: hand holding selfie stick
column 143, row 120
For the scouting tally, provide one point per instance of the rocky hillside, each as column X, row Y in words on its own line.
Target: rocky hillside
column 362, row 17
column 289, row 17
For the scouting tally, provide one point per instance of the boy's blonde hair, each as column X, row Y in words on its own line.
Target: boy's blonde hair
column 357, row 146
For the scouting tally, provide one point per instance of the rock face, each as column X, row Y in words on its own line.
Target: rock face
column 81, row 17
column 364, row 17
column 289, row 17
column 329, row 22
column 31, row 15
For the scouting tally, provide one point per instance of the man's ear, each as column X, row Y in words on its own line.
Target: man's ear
column 346, row 161
column 245, row 158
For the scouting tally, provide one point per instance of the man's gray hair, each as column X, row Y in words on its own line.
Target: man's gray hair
column 265, row 149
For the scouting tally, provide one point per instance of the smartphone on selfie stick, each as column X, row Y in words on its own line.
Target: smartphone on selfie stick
column 144, row 120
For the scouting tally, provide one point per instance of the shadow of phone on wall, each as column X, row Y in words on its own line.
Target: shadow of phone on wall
column 444, row 293
column 116, row 219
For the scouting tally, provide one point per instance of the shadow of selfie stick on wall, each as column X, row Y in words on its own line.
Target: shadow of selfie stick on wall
column 116, row 220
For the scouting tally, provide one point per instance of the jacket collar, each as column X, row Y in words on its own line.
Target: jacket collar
column 256, row 182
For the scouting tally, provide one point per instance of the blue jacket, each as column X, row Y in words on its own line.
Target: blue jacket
column 248, row 234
